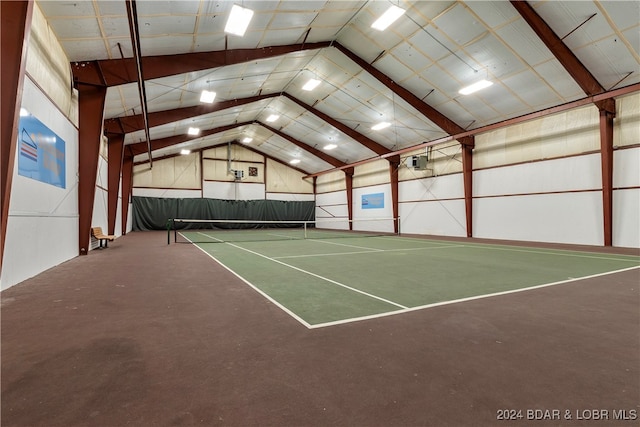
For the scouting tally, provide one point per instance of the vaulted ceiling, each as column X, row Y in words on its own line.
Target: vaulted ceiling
column 408, row 75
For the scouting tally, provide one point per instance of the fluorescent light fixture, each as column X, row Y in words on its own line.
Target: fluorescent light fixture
column 23, row 112
column 294, row 161
column 388, row 18
column 238, row 21
column 184, row 152
column 207, row 96
column 381, row 125
column 482, row 84
column 193, row 131
column 273, row 118
column 311, row 84
column 330, row 146
column 247, row 140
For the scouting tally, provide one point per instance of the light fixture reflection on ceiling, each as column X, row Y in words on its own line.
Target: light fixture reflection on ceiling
column 193, row 131
column 23, row 112
column 247, row 140
column 294, row 161
column 311, row 84
column 207, row 96
column 238, row 21
column 184, row 152
column 330, row 146
column 273, row 118
column 482, row 84
column 380, row 126
column 388, row 18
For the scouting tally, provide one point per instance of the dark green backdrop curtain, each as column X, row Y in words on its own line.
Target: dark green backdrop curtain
column 154, row 213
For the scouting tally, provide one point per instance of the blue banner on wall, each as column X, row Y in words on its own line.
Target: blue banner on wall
column 373, row 201
column 41, row 154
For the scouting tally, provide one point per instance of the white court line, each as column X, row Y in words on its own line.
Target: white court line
column 368, row 252
column 495, row 294
column 563, row 252
column 318, row 276
column 349, row 246
column 276, row 303
column 205, row 235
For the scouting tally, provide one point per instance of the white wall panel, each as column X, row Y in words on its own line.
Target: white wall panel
column 233, row 191
column 290, row 197
column 440, row 187
column 626, row 215
column 574, row 218
column 439, row 218
column 567, row 174
column 332, row 205
column 42, row 227
column 626, row 167
column 35, row 244
column 164, row 192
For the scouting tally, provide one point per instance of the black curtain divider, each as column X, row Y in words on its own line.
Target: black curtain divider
column 155, row 213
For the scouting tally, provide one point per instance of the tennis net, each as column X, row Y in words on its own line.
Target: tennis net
column 221, row 231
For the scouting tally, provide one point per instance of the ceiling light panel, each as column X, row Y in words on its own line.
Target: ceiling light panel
column 391, row 15
column 238, row 20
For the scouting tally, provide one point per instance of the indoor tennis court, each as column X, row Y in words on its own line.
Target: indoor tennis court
column 328, row 276
column 320, row 213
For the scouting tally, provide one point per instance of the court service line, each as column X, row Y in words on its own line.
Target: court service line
column 456, row 301
column 349, row 246
column 255, row 288
column 368, row 252
column 207, row 236
column 319, row 277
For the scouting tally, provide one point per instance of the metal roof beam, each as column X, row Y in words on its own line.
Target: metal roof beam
column 128, row 124
column 563, row 54
column 425, row 109
column 156, row 144
column 320, row 154
column 114, row 72
column 377, row 148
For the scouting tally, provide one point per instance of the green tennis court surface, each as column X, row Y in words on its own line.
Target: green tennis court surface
column 321, row 282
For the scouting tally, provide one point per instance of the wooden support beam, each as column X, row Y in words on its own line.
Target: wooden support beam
column 606, row 158
column 348, row 177
column 467, row 172
column 115, row 157
column 91, row 111
column 394, row 165
column 127, row 186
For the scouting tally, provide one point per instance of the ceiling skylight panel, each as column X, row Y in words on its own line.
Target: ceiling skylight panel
column 390, row 16
column 238, row 20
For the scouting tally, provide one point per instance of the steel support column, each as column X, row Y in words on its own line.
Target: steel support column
column 15, row 30
column 116, row 151
column 91, row 110
column 467, row 173
column 394, row 164
column 348, row 177
column 606, row 157
column 127, row 184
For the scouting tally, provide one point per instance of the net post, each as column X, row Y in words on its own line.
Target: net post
column 399, row 229
column 169, row 225
column 305, row 229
